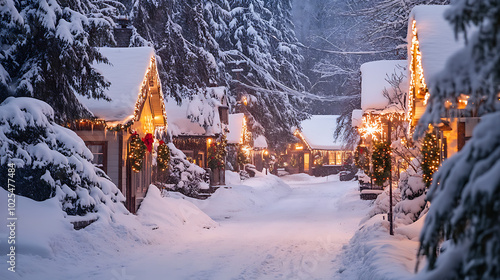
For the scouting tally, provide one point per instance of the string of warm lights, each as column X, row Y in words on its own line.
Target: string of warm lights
column 430, row 157
column 137, row 152
column 381, row 161
column 163, row 157
column 298, row 134
column 373, row 124
column 417, row 79
column 151, row 74
column 245, row 140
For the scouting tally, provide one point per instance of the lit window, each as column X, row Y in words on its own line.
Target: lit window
column 331, row 158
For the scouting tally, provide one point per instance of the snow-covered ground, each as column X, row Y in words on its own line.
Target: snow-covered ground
column 262, row 228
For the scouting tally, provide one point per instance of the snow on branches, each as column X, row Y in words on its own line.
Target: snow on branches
column 464, row 209
column 52, row 161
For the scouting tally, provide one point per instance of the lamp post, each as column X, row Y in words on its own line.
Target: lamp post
column 390, row 214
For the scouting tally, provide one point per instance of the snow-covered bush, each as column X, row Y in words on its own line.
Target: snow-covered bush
column 381, row 204
column 185, row 177
column 413, row 202
column 51, row 160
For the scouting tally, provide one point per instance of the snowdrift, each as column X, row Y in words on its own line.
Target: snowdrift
column 171, row 212
column 254, row 192
column 374, row 254
column 44, row 229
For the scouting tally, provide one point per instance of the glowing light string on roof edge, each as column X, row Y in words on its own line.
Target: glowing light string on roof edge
column 299, row 134
column 144, row 91
column 138, row 104
column 416, row 70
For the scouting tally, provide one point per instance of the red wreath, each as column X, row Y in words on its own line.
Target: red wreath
column 148, row 141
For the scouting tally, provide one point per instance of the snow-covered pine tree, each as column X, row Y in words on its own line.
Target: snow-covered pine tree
column 413, row 190
column 465, row 191
column 185, row 177
column 272, row 103
column 48, row 48
column 284, row 45
column 182, row 41
column 49, row 160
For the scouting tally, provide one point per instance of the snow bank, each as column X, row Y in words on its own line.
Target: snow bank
column 256, row 192
column 43, row 230
column 374, row 254
column 36, row 224
column 171, row 212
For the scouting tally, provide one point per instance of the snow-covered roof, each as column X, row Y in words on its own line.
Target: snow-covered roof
column 180, row 122
column 374, row 76
column 126, row 72
column 437, row 41
column 235, row 127
column 260, row 142
column 357, row 117
column 318, row 132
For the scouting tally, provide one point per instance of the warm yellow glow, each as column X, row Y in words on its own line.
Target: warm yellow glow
column 298, row 134
column 209, row 141
column 462, row 101
column 371, row 126
column 246, row 135
column 426, row 98
column 148, row 124
column 266, row 152
column 417, row 80
column 246, row 150
column 244, row 100
column 299, row 147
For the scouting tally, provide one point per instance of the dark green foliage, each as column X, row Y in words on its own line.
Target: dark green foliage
column 49, row 50
column 49, row 160
column 217, row 153
column 430, row 157
column 137, row 152
column 381, row 161
column 185, row 177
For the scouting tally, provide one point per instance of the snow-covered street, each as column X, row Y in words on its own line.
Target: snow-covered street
column 265, row 231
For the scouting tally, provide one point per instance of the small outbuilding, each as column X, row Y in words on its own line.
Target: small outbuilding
column 317, row 151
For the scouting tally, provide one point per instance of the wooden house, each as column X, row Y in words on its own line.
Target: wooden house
column 136, row 107
column 317, row 151
column 384, row 87
column 196, row 124
column 431, row 42
column 243, row 146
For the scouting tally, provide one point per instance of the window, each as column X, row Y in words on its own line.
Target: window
column 339, row 158
column 331, row 158
column 99, row 151
column 306, row 162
